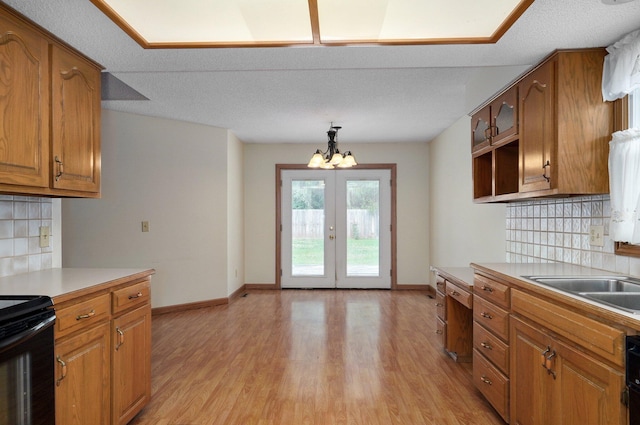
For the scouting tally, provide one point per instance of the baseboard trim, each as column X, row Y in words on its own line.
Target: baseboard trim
column 189, row 306
column 237, row 293
column 260, row 286
column 253, row 286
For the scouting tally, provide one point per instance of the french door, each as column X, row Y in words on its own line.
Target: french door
column 336, row 228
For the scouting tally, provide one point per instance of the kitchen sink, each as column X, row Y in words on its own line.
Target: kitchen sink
column 589, row 283
column 616, row 291
column 626, row 301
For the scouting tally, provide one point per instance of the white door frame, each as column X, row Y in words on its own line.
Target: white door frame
column 393, row 218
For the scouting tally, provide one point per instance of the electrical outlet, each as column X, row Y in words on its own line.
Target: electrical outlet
column 596, row 235
column 145, row 226
column 45, row 235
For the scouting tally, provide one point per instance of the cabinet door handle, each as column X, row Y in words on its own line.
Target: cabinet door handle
column 439, row 305
column 486, row 380
column 548, row 365
column 439, row 331
column 543, row 357
column 60, row 168
column 544, row 167
column 487, row 288
column 120, row 338
column 64, row 370
column 486, row 345
column 86, row 316
column 133, row 297
column 486, row 315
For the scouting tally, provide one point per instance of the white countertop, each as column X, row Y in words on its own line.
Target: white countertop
column 516, row 272
column 64, row 281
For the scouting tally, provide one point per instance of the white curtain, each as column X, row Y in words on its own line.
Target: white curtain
column 621, row 71
column 624, row 182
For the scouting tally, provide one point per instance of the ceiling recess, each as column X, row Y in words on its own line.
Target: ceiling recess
column 283, row 23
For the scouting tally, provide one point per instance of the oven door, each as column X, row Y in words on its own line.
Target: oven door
column 27, row 375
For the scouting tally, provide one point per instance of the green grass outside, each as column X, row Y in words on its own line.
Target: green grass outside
column 360, row 251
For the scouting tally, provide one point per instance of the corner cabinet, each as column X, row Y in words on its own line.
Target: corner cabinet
column 50, row 113
column 559, row 145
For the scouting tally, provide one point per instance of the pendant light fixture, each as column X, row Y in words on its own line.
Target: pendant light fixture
column 332, row 157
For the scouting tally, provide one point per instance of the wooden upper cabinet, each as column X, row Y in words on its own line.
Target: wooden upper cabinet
column 49, row 113
column 24, row 106
column 75, row 113
column 565, row 126
column 549, row 132
column 504, row 116
column 496, row 122
column 481, row 129
column 537, row 129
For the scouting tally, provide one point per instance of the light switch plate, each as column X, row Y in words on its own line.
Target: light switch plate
column 596, row 235
column 145, row 226
column 45, row 234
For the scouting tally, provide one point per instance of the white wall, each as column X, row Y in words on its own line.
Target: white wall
column 412, row 161
column 235, row 214
column 175, row 175
column 460, row 231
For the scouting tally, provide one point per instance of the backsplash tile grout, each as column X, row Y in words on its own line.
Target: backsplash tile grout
column 20, row 221
column 557, row 230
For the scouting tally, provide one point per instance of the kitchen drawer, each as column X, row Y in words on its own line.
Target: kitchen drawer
column 440, row 284
column 489, row 289
column 492, row 384
column 74, row 316
column 597, row 337
column 131, row 296
column 441, row 310
column 496, row 351
column 441, row 330
column 461, row 295
column 492, row 318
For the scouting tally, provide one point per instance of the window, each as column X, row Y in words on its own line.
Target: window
column 634, row 108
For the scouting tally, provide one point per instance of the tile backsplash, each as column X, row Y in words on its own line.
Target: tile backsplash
column 20, row 221
column 557, row 230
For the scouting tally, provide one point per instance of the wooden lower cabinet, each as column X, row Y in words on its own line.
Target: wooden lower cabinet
column 103, row 355
column 555, row 383
column 131, row 366
column 83, row 376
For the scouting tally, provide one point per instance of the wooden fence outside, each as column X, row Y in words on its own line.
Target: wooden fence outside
column 361, row 224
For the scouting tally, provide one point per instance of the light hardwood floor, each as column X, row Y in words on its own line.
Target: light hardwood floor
column 309, row 357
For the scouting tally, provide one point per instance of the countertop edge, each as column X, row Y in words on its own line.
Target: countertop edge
column 459, row 275
column 62, row 284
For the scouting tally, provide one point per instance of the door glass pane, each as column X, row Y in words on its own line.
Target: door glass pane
column 363, row 227
column 307, row 227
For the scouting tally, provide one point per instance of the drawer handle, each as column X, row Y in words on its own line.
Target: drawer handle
column 86, row 316
column 487, row 288
column 439, row 305
column 486, row 380
column 486, row 345
column 486, row 315
column 64, row 370
column 439, row 331
column 455, row 293
column 133, row 297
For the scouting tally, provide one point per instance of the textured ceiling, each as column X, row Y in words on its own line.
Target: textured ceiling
column 377, row 94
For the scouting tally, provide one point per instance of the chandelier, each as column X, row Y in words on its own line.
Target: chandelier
column 332, row 157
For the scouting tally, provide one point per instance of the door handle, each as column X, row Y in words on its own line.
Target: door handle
column 332, row 237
